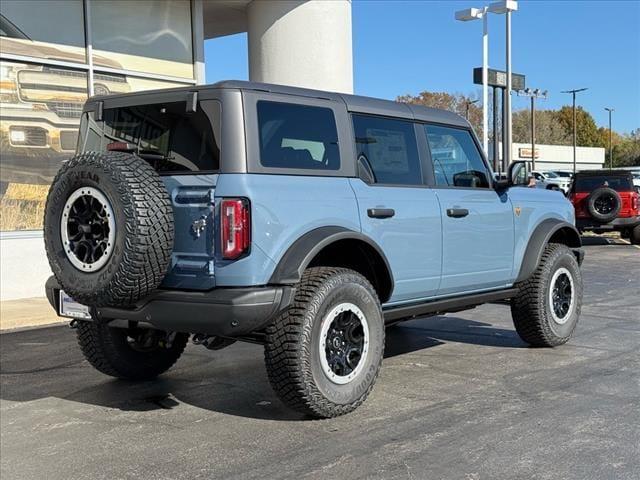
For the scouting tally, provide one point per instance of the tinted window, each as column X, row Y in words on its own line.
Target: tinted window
column 52, row 21
column 456, row 159
column 589, row 183
column 147, row 36
column 162, row 134
column 297, row 136
column 390, row 148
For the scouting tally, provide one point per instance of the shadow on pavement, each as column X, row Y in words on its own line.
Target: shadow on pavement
column 599, row 241
column 41, row 363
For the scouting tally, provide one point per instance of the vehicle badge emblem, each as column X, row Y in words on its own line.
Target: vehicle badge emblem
column 518, row 210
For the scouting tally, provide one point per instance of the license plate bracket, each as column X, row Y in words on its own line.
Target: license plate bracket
column 69, row 308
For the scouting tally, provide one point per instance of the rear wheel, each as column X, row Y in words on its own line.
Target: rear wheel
column 324, row 353
column 130, row 353
column 634, row 235
column 546, row 310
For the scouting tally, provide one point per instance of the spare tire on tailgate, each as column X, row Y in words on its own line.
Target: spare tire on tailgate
column 604, row 204
column 108, row 228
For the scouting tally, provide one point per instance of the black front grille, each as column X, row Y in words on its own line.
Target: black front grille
column 68, row 139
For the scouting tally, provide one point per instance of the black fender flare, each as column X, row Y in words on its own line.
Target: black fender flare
column 564, row 232
column 297, row 258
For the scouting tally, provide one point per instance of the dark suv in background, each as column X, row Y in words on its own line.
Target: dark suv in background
column 606, row 200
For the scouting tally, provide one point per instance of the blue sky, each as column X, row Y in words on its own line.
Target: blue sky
column 404, row 47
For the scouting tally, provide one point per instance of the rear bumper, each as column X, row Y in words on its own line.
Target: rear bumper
column 226, row 312
column 616, row 224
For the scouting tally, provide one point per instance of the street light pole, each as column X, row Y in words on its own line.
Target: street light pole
column 485, row 81
column 575, row 131
column 610, row 138
column 508, row 92
column 467, row 104
column 476, row 14
column 533, row 94
column 506, row 7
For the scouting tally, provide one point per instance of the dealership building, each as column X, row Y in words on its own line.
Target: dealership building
column 56, row 53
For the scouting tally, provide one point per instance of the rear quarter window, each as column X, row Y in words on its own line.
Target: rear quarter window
column 294, row 136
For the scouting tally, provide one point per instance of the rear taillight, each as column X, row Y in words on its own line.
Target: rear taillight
column 235, row 227
column 634, row 201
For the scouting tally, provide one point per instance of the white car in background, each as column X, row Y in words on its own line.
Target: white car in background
column 551, row 181
column 636, row 180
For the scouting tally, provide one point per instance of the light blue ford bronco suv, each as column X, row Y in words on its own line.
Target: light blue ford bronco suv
column 303, row 220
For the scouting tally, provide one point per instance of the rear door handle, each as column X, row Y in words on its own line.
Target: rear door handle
column 381, row 212
column 457, row 212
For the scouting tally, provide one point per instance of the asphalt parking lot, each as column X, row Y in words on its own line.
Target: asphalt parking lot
column 459, row 397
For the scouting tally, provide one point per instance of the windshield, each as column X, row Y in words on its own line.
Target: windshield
column 551, row 175
column 563, row 174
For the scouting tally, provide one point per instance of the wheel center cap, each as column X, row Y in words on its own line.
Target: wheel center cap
column 336, row 342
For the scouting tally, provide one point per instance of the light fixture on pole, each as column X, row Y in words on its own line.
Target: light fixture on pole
column 610, row 110
column 533, row 94
column 477, row 14
column 575, row 131
column 468, row 103
column 506, row 7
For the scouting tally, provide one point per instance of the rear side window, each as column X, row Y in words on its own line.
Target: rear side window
column 297, row 136
column 456, row 159
column 589, row 183
column 390, row 147
column 170, row 139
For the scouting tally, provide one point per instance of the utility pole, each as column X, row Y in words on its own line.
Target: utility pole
column 575, row 131
column 610, row 138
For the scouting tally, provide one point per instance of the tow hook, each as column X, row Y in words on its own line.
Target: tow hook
column 73, row 324
column 212, row 342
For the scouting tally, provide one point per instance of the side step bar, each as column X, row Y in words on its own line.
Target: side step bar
column 447, row 305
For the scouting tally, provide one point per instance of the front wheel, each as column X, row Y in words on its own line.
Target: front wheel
column 546, row 310
column 130, row 353
column 324, row 352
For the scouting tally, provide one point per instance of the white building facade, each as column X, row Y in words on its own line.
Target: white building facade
column 54, row 54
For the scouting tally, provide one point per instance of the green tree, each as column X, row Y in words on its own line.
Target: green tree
column 549, row 131
column 586, row 130
column 453, row 102
column 626, row 153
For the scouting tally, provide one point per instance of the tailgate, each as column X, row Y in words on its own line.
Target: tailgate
column 192, row 262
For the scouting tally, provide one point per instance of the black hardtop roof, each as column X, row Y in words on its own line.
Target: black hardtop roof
column 604, row 172
column 354, row 103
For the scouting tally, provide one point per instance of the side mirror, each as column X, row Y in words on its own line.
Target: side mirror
column 518, row 174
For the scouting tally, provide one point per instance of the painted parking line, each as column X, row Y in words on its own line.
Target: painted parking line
column 629, row 243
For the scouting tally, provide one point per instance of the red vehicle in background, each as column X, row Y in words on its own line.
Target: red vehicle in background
column 606, row 200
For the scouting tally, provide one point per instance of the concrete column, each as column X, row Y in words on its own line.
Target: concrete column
column 301, row 43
